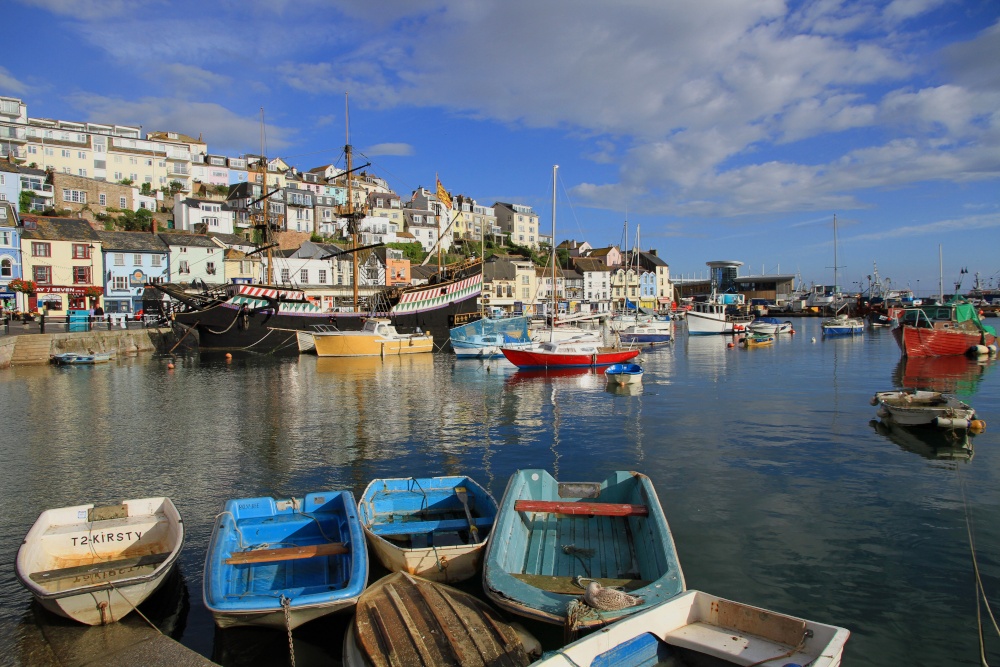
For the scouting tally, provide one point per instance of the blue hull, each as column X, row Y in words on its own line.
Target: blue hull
column 534, row 556
column 645, row 339
column 251, row 593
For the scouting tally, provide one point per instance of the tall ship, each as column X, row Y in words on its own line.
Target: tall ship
column 267, row 318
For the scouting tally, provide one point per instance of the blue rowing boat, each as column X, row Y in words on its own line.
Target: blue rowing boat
column 625, row 373
column 281, row 563
column 583, row 554
column 433, row 527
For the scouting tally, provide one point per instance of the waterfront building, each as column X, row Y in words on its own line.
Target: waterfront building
column 15, row 179
column 611, row 256
column 212, row 171
column 63, row 257
column 244, row 201
column 132, row 260
column 656, row 291
column 546, row 285
column 397, row 267
column 193, row 258
column 500, row 285
column 10, row 257
column 624, row 287
column 427, row 218
column 596, row 283
column 299, row 209
column 424, row 226
column 519, row 222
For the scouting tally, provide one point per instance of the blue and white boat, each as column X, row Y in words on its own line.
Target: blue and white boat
column 433, row 527
column 626, row 373
column 281, row 563
column 81, row 359
column 554, row 540
column 652, row 332
column 483, row 338
column 842, row 325
column 770, row 325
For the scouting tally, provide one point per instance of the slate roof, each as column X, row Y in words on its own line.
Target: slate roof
column 650, row 261
column 58, row 229
column 499, row 269
column 188, row 240
column 132, row 242
column 588, row 264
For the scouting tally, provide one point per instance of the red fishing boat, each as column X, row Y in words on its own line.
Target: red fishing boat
column 953, row 328
column 566, row 354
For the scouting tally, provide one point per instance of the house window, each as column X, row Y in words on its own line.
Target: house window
column 210, row 268
column 4, row 236
column 41, row 249
column 156, row 261
column 136, row 260
column 66, row 152
column 81, row 251
column 321, row 276
column 212, row 222
column 6, row 268
column 122, row 203
column 286, row 276
column 183, row 267
column 76, row 196
column 81, row 275
column 119, row 283
column 304, row 276
column 42, row 274
column 119, row 259
column 81, row 154
column 102, row 199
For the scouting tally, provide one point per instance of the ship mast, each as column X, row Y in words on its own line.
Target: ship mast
column 351, row 222
column 264, row 218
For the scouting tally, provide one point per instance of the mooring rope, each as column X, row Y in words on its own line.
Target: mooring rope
column 980, row 591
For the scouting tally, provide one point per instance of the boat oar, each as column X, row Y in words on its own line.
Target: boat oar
column 463, row 497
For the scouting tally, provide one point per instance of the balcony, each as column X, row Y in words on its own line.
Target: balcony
column 38, row 189
column 177, row 170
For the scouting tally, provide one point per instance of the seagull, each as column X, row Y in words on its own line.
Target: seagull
column 609, row 599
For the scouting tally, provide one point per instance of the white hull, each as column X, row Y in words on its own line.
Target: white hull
column 276, row 619
column 305, row 341
column 96, row 566
column 625, row 378
column 919, row 408
column 457, row 563
column 729, row 631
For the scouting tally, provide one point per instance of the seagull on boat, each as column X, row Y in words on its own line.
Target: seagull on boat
column 607, row 599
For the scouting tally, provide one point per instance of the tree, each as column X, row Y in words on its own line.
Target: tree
column 411, row 251
column 24, row 202
column 126, row 181
column 146, row 189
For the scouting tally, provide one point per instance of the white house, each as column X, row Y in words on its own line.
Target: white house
column 203, row 216
column 194, row 258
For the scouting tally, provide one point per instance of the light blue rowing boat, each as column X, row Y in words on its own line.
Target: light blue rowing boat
column 553, row 540
column 281, row 563
column 433, row 527
column 625, row 373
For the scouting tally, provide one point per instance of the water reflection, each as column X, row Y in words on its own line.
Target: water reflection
column 952, row 375
column 623, row 389
column 928, row 442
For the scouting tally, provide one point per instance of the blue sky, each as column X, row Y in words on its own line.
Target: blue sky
column 721, row 129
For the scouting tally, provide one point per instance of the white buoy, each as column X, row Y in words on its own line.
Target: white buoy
column 814, row 339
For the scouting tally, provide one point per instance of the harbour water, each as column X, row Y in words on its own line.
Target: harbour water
column 779, row 491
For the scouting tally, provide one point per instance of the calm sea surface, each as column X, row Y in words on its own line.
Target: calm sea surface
column 779, row 491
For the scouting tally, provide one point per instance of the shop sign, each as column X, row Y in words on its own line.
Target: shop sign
column 61, row 289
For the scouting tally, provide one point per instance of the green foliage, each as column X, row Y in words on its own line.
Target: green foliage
column 317, row 238
column 220, row 189
column 24, row 202
column 126, row 181
column 146, row 189
column 411, row 251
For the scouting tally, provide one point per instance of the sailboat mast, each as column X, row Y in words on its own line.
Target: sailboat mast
column 941, row 272
column 835, row 287
column 552, row 328
column 262, row 171
column 351, row 223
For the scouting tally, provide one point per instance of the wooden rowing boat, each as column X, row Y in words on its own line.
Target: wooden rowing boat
column 551, row 539
column 696, row 626
column 434, row 527
column 406, row 620
column 281, row 563
column 96, row 564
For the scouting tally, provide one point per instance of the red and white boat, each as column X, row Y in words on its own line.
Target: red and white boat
column 567, row 354
column 949, row 329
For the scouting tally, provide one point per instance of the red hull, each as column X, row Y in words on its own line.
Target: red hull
column 532, row 359
column 925, row 342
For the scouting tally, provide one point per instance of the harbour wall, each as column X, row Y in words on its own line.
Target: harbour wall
column 37, row 348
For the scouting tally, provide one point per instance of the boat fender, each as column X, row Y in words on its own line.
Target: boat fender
column 978, row 351
column 882, row 413
column 952, row 422
column 977, row 426
column 992, row 348
column 874, row 400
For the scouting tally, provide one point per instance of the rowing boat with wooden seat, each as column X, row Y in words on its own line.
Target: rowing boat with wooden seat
column 281, row 563
column 553, row 539
column 433, row 527
column 96, row 564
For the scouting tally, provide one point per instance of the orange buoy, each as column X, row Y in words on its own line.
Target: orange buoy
column 730, row 344
column 170, row 366
column 228, row 355
column 977, row 426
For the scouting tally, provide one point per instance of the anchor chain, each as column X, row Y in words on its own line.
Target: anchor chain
column 286, row 607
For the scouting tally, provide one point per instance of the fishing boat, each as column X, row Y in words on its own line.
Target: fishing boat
column 434, row 527
column 402, row 619
column 842, row 325
column 757, row 340
column 926, row 408
column 483, row 338
column 582, row 554
column 697, row 628
column 719, row 314
column 953, row 328
column 81, row 359
column 281, row 563
column 378, row 338
column 770, row 325
column 97, row 564
column 626, row 373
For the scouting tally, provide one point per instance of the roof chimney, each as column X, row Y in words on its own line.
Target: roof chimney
column 153, row 226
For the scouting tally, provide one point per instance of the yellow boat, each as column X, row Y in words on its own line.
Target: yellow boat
column 378, row 338
column 758, row 340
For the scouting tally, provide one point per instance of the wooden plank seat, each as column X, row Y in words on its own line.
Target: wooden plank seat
column 420, row 527
column 287, row 553
column 590, row 509
column 99, row 567
column 568, row 585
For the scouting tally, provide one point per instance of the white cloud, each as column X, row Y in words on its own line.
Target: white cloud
column 188, row 79
column 389, row 149
column 10, row 85
column 941, row 228
column 225, row 131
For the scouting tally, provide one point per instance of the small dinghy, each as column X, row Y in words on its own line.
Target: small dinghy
column 695, row 627
column 757, row 340
column 627, row 373
column 406, row 620
column 281, row 563
column 583, row 554
column 79, row 359
column 96, row 564
column 926, row 408
column 434, row 527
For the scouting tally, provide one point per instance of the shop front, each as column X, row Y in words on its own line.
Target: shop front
column 65, row 297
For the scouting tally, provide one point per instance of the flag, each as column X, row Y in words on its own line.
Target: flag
column 443, row 196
